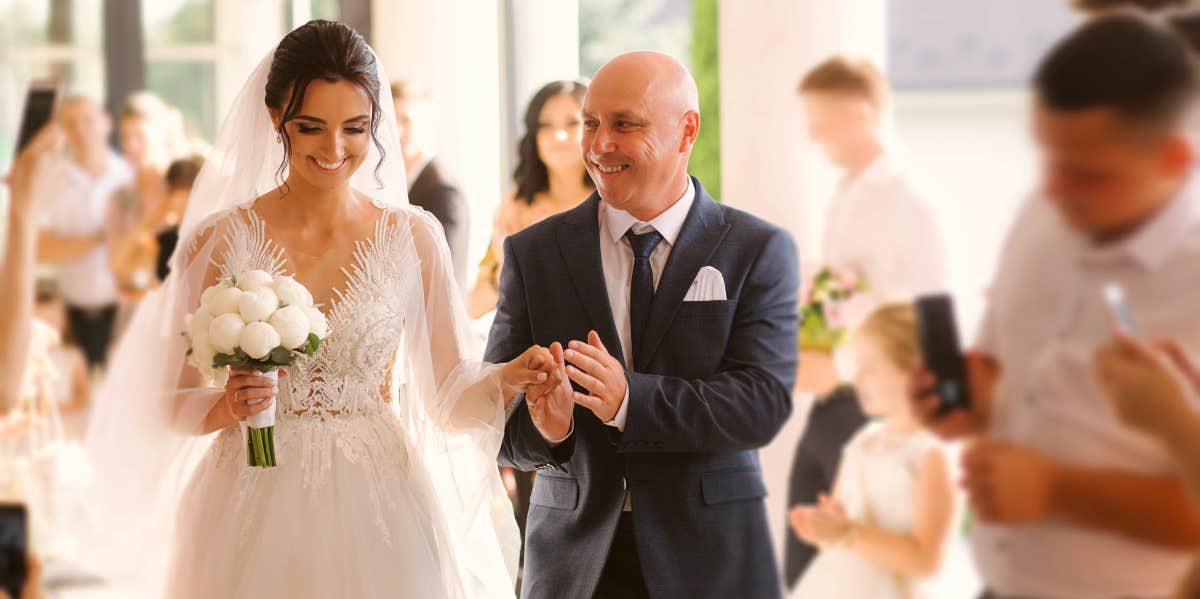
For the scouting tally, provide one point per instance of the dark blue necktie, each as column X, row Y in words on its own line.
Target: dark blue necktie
column 641, row 289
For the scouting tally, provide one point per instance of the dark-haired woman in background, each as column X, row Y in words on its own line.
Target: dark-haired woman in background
column 550, row 178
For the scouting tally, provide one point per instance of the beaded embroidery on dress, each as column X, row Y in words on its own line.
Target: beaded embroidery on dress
column 342, row 452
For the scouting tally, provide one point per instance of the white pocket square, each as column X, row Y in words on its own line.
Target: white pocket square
column 709, row 286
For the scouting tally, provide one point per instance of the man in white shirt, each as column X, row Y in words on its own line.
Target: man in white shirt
column 878, row 225
column 75, row 195
column 1071, row 503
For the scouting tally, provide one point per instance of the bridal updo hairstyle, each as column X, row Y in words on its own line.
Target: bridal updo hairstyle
column 328, row 51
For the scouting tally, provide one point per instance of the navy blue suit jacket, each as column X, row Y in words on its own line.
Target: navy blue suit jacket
column 714, row 385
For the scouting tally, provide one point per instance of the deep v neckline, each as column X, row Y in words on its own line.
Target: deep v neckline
column 336, row 293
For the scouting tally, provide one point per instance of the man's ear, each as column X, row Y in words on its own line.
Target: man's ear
column 691, row 129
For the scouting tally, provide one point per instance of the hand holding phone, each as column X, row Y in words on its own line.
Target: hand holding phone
column 941, row 351
column 1118, row 308
column 40, row 102
column 14, row 548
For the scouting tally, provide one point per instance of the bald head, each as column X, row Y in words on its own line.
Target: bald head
column 641, row 116
column 659, row 76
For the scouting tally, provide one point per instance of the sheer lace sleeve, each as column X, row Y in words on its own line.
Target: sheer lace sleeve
column 454, row 414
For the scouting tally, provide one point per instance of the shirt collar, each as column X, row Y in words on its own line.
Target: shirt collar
column 1156, row 240
column 668, row 224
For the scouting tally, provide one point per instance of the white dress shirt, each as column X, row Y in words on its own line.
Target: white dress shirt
column 880, row 227
column 1045, row 320
column 616, row 257
column 74, row 203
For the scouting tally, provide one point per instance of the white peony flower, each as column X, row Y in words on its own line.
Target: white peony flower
column 258, row 339
column 292, row 293
column 291, row 322
column 202, row 353
column 225, row 331
column 198, row 323
column 255, row 279
column 316, row 323
column 206, row 298
column 258, row 304
column 223, row 300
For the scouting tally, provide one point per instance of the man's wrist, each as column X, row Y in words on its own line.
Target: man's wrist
column 556, row 442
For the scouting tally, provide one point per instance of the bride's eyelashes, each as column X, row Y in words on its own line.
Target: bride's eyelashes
column 307, row 130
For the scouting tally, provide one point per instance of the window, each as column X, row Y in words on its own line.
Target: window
column 47, row 38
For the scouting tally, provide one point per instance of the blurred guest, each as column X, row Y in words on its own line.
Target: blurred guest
column 550, row 178
column 832, row 421
column 430, row 186
column 150, row 245
column 71, row 209
column 885, row 528
column 1154, row 390
column 878, row 225
column 1071, row 501
column 151, row 135
column 70, row 387
column 34, row 166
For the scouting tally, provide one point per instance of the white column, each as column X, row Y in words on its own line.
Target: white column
column 767, row 167
column 454, row 49
column 543, row 46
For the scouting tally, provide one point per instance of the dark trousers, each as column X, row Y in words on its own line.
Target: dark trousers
column 622, row 575
column 92, row 329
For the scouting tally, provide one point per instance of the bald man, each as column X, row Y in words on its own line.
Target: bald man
column 674, row 319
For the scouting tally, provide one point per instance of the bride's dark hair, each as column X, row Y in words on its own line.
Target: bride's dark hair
column 328, row 51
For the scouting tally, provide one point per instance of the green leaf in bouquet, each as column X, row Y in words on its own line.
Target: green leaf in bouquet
column 281, row 356
column 310, row 346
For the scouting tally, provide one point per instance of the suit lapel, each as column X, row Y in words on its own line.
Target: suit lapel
column 702, row 232
column 579, row 245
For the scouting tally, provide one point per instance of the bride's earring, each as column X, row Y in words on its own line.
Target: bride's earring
column 278, row 138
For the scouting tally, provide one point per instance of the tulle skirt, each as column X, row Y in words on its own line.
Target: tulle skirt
column 343, row 515
column 846, row 575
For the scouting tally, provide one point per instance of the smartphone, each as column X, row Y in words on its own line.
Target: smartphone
column 39, row 108
column 1118, row 308
column 937, row 331
column 14, row 546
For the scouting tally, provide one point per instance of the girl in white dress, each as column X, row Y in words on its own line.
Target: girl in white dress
column 373, row 497
column 884, row 532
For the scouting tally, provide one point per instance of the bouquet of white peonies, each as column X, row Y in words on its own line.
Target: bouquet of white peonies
column 254, row 321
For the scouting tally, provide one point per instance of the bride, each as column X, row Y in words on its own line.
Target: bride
column 373, row 497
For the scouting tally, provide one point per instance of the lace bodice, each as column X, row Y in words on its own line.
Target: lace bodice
column 347, row 376
column 340, row 398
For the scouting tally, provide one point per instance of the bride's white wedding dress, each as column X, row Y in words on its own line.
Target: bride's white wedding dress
column 342, row 514
column 878, row 481
column 386, row 438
